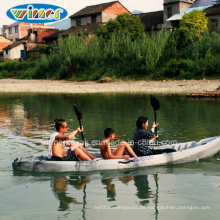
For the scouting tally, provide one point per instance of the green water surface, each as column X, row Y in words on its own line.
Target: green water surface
column 186, row 191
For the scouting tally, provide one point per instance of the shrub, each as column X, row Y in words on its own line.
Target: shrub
column 193, row 25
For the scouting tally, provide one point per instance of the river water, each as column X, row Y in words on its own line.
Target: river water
column 187, row 191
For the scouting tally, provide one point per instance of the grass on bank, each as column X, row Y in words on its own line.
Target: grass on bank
column 157, row 56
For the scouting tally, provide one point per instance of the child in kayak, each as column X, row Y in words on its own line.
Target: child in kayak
column 58, row 142
column 120, row 153
column 142, row 138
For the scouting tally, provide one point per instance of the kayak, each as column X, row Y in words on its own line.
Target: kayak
column 185, row 152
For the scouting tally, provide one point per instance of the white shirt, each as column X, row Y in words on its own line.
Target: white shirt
column 52, row 138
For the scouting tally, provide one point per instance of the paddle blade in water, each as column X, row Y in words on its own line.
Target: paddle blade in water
column 77, row 111
column 155, row 103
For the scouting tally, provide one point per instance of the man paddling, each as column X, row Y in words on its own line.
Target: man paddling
column 58, row 141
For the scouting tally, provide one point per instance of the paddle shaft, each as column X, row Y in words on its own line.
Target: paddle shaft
column 156, row 106
column 155, row 119
column 80, row 125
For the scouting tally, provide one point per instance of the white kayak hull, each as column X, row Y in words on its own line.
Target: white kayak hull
column 185, row 152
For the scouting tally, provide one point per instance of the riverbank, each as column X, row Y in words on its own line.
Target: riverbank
column 71, row 87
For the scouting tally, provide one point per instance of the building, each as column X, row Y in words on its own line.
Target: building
column 34, row 52
column 18, row 30
column 97, row 14
column 15, row 51
column 89, row 18
column 174, row 10
column 36, row 34
column 152, row 20
column 173, row 7
column 28, row 46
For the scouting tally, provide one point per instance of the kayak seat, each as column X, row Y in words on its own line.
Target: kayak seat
column 47, row 158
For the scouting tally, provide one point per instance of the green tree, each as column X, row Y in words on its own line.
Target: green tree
column 124, row 23
column 194, row 25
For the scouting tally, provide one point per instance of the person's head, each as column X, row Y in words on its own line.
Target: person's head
column 61, row 125
column 142, row 123
column 109, row 133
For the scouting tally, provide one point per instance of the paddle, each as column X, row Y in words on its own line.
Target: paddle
column 79, row 116
column 156, row 106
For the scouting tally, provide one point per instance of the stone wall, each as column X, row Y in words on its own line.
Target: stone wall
column 106, row 17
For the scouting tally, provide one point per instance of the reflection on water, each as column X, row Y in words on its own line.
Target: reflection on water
column 110, row 188
column 61, row 184
column 153, row 187
column 27, row 120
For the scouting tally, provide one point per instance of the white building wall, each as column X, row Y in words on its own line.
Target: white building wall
column 14, row 53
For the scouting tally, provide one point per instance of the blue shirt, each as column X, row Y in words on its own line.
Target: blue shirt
column 141, row 142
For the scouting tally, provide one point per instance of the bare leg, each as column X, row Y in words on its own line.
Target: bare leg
column 120, row 150
column 81, row 154
column 85, row 151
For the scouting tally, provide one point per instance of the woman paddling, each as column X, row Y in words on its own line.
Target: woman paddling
column 143, row 138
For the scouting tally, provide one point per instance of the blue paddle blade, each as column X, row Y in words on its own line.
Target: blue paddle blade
column 155, row 103
column 78, row 112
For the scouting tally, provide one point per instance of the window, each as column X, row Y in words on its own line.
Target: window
column 78, row 22
column 16, row 29
column 94, row 19
column 169, row 12
column 10, row 30
column 6, row 52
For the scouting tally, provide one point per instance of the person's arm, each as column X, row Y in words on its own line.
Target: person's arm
column 112, row 156
column 69, row 136
column 153, row 139
column 73, row 133
column 154, row 126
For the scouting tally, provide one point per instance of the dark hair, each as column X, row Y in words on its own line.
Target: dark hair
column 140, row 121
column 108, row 132
column 58, row 123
